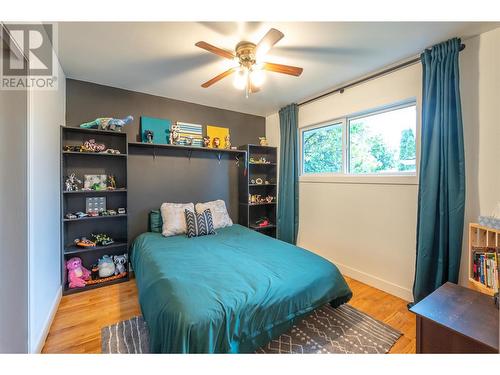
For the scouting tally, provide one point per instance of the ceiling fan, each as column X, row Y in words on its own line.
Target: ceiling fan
column 248, row 57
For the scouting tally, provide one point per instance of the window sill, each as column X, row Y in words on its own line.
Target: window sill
column 361, row 179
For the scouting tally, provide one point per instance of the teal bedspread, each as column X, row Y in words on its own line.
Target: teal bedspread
column 228, row 293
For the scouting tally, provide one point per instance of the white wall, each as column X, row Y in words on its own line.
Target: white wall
column 369, row 230
column 480, row 91
column 47, row 114
column 366, row 229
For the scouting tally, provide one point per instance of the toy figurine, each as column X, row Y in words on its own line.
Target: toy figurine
column 92, row 146
column 111, row 151
column 117, row 124
column 263, row 141
column 216, row 142
column 111, row 183
column 189, row 141
column 84, row 242
column 120, row 263
column 174, row 134
column 228, row 141
column 149, row 136
column 263, row 222
column 206, row 141
column 77, row 274
column 121, row 211
column 102, row 239
column 107, row 123
column 94, row 272
column 72, row 182
column 98, row 123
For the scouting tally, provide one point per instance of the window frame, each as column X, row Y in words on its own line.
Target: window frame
column 399, row 177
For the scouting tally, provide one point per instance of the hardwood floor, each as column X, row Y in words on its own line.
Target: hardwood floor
column 80, row 317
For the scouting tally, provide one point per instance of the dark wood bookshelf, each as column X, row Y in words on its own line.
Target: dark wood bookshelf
column 73, row 249
column 93, row 154
column 87, row 218
column 94, row 286
column 250, row 213
column 109, row 191
column 116, row 226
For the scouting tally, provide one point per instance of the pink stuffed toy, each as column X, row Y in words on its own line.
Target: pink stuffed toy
column 77, row 274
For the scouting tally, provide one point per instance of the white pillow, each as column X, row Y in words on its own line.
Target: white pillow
column 219, row 213
column 174, row 218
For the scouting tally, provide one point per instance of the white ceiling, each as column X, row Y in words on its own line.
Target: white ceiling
column 161, row 58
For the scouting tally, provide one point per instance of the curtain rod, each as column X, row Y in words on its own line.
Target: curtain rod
column 368, row 78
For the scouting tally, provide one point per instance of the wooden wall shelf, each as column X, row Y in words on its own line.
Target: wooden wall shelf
column 186, row 148
column 481, row 239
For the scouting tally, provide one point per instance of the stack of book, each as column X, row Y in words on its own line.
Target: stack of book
column 485, row 267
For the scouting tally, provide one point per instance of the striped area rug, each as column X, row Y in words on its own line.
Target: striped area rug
column 342, row 330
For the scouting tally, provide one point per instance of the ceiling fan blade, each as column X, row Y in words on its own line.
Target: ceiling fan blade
column 285, row 69
column 272, row 37
column 218, row 78
column 218, row 51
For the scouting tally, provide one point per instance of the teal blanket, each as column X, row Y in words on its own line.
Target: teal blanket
column 228, row 293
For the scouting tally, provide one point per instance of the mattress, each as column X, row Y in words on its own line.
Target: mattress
column 227, row 293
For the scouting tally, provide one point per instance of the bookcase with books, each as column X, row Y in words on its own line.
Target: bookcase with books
column 484, row 248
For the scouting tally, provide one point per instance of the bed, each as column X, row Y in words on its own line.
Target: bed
column 227, row 293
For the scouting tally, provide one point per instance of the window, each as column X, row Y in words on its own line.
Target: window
column 378, row 142
column 322, row 149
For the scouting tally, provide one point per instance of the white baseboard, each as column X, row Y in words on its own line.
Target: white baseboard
column 376, row 282
column 40, row 341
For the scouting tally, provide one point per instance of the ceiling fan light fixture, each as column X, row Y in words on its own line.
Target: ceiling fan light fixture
column 258, row 77
column 240, row 79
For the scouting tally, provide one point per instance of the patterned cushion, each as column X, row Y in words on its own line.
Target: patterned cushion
column 199, row 224
column 219, row 212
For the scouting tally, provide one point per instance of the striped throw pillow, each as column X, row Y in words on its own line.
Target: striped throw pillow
column 200, row 224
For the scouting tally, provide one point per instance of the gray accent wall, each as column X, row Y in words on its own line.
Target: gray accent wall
column 156, row 175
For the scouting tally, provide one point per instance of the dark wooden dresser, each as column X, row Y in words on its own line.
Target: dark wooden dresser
column 454, row 319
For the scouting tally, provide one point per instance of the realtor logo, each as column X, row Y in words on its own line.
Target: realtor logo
column 27, row 57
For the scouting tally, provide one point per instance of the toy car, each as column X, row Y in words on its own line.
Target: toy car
column 70, row 216
column 84, row 242
column 121, row 211
column 80, row 214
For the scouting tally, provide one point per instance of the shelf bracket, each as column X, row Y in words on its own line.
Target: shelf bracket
column 190, row 152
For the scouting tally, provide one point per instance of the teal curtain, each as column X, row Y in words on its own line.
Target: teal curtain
column 441, row 195
column 288, row 195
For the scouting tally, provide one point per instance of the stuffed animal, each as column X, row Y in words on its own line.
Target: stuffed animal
column 174, row 134
column 106, row 266
column 77, row 274
column 120, row 263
